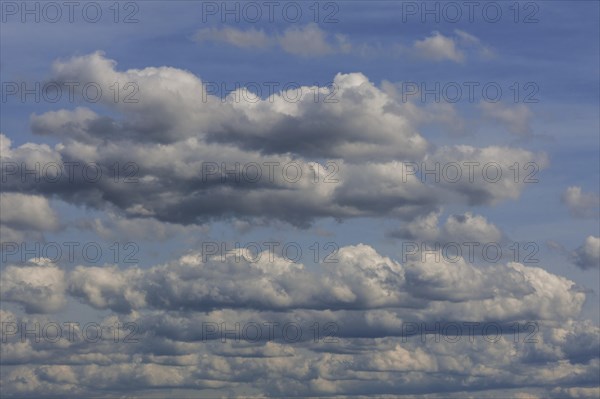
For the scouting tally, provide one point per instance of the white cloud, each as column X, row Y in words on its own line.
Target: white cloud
column 28, row 212
column 106, row 287
column 172, row 354
column 587, row 256
column 369, row 295
column 236, row 37
column 581, row 204
column 366, row 131
column 489, row 179
column 438, row 47
column 39, row 286
column 457, row 228
column 516, row 118
column 304, row 41
column 311, row 40
column 114, row 227
column 471, row 41
column 24, row 216
column 362, row 280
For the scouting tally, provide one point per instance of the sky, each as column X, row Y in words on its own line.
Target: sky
column 300, row 199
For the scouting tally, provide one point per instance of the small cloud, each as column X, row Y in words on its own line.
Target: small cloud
column 467, row 40
column 517, row 119
column 439, row 48
column 235, row 37
column 587, row 256
column 465, row 227
column 581, row 204
column 309, row 40
column 343, row 43
column 303, row 41
column 26, row 216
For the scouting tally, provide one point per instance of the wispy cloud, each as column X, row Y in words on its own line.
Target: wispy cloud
column 304, row 41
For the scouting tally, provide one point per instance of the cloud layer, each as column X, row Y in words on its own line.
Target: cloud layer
column 341, row 159
column 186, row 157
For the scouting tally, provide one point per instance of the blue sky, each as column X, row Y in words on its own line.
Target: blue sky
column 374, row 53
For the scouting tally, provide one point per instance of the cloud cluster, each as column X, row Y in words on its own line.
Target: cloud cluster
column 312, row 41
column 194, row 159
column 170, row 354
column 361, row 280
column 178, row 129
column 457, row 228
column 40, row 287
column 23, row 216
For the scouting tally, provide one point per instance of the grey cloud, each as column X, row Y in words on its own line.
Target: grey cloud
column 367, row 366
column 587, row 256
column 171, row 134
column 581, row 204
column 39, row 286
column 361, row 280
column 27, row 212
column 516, row 118
column 457, row 228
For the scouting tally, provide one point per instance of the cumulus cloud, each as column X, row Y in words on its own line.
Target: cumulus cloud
column 179, row 128
column 368, row 298
column 469, row 227
column 352, row 121
column 337, row 190
column 457, row 228
column 169, row 355
column 587, row 256
column 25, row 216
column 438, row 47
column 477, row 166
column 351, row 160
column 581, row 204
column 103, row 287
column 112, row 226
column 28, row 212
column 355, row 152
column 172, row 348
column 361, row 280
column 39, row 286
column 466, row 235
